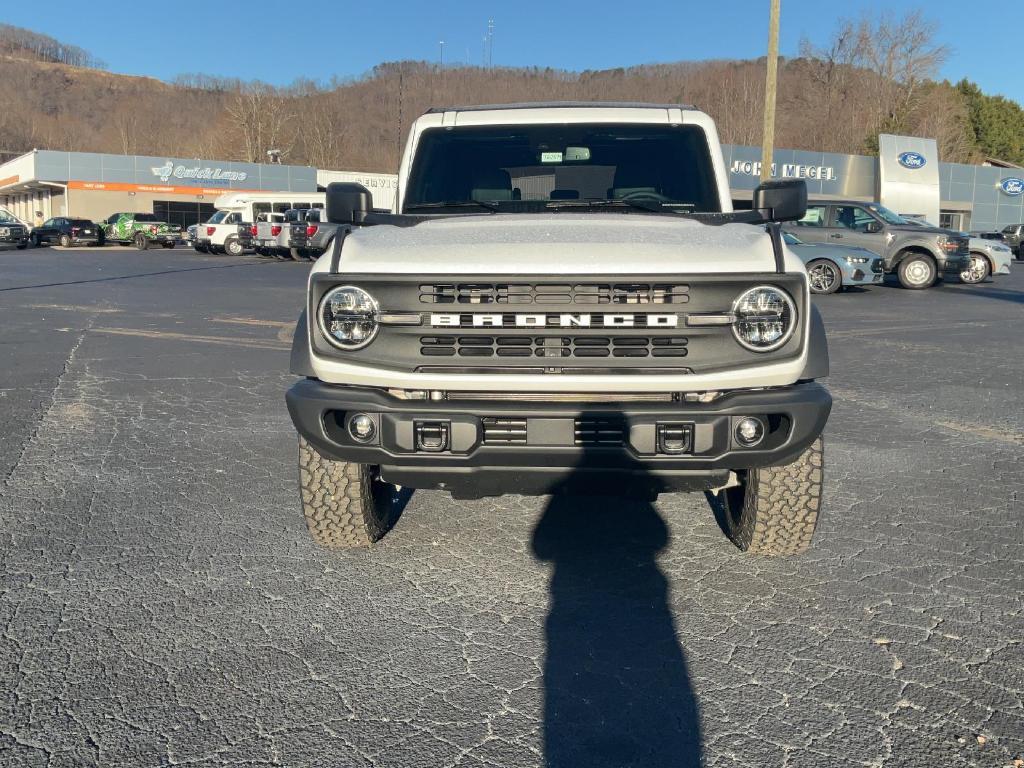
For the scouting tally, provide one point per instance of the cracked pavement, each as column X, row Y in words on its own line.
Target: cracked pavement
column 161, row 603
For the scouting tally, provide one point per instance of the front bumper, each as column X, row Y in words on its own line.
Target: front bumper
column 954, row 263
column 868, row 273
column 556, row 444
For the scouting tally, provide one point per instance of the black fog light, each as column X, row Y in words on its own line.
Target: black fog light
column 748, row 431
column 361, row 428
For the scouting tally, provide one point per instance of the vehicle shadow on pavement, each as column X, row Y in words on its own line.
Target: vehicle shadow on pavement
column 616, row 687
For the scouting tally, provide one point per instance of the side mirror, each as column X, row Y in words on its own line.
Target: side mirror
column 873, row 227
column 348, row 203
column 781, row 200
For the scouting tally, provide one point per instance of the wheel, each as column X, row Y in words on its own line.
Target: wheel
column 168, row 244
column 824, row 276
column 977, row 270
column 295, row 253
column 65, row 241
column 345, row 504
column 917, row 271
column 233, row 247
column 201, row 248
column 141, row 241
column 774, row 510
column 23, row 245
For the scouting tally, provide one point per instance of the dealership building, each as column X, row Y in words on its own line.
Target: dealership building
column 906, row 177
column 92, row 186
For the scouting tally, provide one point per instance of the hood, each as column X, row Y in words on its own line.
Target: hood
column 926, row 230
column 560, row 243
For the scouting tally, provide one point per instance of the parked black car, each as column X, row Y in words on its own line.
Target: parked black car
column 67, row 232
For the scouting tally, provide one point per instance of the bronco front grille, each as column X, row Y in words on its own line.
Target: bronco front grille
column 526, row 293
column 553, row 346
column 504, row 431
column 599, row 431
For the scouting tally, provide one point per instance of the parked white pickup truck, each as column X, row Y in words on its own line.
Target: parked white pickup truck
column 268, row 229
column 564, row 300
column 225, row 232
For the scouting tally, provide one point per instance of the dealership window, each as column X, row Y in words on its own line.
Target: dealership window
column 181, row 212
column 952, row 220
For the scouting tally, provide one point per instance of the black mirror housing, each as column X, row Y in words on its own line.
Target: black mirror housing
column 348, row 203
column 781, row 200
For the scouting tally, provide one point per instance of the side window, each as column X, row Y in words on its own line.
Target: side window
column 815, row 217
column 853, row 217
column 233, row 218
column 1010, row 230
column 49, row 223
column 260, row 208
column 303, row 205
column 282, row 207
column 112, row 219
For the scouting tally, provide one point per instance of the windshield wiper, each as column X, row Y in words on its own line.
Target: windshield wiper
column 454, row 204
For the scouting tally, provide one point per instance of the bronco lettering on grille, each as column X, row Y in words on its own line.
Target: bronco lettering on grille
column 540, row 320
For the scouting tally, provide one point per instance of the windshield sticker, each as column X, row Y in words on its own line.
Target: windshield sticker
column 551, row 157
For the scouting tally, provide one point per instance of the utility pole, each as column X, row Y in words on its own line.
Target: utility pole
column 490, row 43
column 770, row 82
column 442, row 54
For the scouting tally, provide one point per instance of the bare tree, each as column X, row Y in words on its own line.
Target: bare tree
column 259, row 117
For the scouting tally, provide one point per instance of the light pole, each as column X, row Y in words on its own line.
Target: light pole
column 770, row 82
column 442, row 54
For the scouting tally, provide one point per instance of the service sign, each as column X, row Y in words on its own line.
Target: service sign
column 1012, row 186
column 912, row 160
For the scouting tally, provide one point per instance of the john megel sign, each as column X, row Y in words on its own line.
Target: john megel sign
column 205, row 173
column 789, row 170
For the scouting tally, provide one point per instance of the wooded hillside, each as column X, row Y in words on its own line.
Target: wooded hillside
column 874, row 75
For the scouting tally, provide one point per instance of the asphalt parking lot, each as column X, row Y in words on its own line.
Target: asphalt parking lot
column 162, row 604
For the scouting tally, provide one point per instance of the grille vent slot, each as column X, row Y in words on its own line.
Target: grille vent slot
column 600, row 431
column 504, row 431
column 553, row 346
column 508, row 293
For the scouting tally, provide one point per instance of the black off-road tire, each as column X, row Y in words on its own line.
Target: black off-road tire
column 201, row 249
column 141, row 242
column 65, row 241
column 344, row 504
column 167, row 244
column 774, row 510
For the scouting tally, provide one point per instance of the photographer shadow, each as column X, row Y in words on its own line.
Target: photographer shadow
column 616, row 687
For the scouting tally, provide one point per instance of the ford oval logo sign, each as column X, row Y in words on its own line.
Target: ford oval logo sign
column 912, row 160
column 1012, row 186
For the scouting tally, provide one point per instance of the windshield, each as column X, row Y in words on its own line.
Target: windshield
column 525, row 168
column 217, row 218
column 886, row 215
column 6, row 218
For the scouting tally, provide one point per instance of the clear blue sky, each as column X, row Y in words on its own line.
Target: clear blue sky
column 347, row 38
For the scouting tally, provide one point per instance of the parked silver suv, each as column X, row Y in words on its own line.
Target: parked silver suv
column 918, row 255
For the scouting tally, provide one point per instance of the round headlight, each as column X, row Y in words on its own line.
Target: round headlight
column 765, row 318
column 348, row 317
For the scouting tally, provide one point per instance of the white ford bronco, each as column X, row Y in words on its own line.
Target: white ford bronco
column 563, row 299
